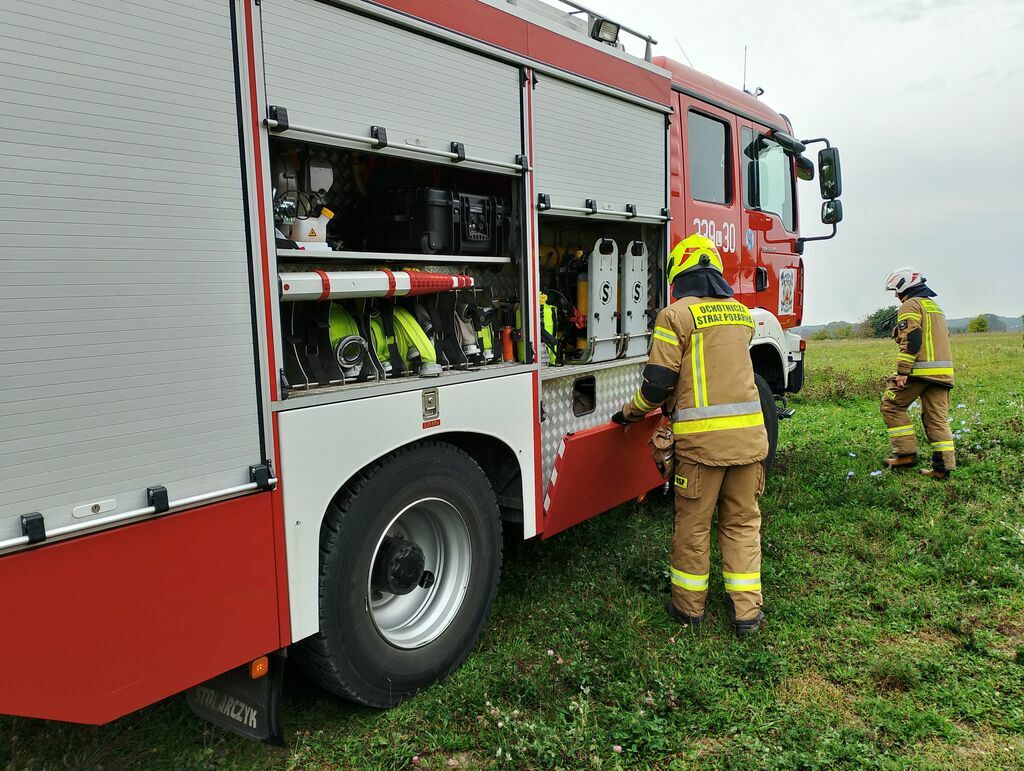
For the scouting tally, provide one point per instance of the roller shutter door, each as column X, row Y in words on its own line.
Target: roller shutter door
column 339, row 71
column 591, row 145
column 126, row 334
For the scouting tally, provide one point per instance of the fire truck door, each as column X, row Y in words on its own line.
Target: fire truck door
column 769, row 188
column 711, row 186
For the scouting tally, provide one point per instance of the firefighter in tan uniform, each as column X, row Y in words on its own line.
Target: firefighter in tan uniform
column 924, row 369
column 699, row 372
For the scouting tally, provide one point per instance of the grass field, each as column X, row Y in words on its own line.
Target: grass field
column 895, row 638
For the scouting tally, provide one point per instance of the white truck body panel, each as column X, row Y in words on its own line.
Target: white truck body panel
column 322, row 447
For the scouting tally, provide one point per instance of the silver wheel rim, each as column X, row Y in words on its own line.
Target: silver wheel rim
column 412, row 620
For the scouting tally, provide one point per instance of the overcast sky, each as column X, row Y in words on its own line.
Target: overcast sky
column 924, row 98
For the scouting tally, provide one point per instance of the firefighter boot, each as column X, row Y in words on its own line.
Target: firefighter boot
column 744, row 628
column 900, row 461
column 692, row 622
column 938, row 469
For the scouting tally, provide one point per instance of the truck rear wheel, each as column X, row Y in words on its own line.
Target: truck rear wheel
column 771, row 419
column 410, row 555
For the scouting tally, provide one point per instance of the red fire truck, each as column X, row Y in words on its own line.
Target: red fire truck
column 305, row 300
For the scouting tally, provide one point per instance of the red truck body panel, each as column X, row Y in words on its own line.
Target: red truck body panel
column 598, row 469
column 111, row 622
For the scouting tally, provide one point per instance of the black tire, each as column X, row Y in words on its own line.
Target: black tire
column 351, row 656
column 771, row 419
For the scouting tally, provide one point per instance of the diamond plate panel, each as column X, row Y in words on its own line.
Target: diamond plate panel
column 615, row 386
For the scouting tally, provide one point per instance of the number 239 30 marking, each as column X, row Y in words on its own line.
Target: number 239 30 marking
column 723, row 235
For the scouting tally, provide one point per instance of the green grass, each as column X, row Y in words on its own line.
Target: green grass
column 896, row 637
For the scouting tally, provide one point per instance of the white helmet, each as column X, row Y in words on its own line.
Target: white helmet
column 902, row 279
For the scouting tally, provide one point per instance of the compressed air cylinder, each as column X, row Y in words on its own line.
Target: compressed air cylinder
column 633, row 298
column 603, row 300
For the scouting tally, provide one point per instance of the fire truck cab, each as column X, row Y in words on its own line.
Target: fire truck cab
column 304, row 301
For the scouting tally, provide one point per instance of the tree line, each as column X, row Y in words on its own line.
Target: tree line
column 880, row 323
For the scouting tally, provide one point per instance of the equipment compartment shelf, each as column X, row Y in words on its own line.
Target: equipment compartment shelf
column 326, row 255
column 330, row 394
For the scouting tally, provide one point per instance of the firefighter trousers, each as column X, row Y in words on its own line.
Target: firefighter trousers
column 734, row 490
column 934, row 410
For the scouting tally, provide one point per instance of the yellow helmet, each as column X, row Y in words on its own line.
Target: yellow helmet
column 693, row 252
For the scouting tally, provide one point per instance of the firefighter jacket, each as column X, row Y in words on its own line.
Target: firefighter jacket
column 699, row 372
column 923, row 338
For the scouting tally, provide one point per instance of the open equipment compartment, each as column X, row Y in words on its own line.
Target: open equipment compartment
column 398, row 202
column 602, row 203
column 601, row 287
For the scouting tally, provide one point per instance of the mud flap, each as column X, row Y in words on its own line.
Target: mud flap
column 237, row 702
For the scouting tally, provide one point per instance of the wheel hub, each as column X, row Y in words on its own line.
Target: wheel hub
column 420, row 573
column 399, row 566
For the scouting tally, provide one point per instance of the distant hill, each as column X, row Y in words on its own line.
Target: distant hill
column 995, row 324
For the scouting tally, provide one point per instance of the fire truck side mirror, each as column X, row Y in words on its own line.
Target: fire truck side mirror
column 830, row 177
column 831, row 212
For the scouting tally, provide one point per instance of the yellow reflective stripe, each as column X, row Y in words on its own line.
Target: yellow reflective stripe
column 908, row 316
column 703, row 375
column 906, row 357
column 946, row 446
column 665, row 335
column 901, row 430
column 641, row 403
column 929, row 345
column 718, row 424
column 700, row 383
column 690, row 581
column 932, row 371
column 930, row 306
column 742, row 582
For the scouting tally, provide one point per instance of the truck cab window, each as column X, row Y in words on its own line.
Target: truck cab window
column 708, row 153
column 768, row 178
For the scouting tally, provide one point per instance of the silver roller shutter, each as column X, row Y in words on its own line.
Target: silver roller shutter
column 338, row 71
column 591, row 145
column 126, row 336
